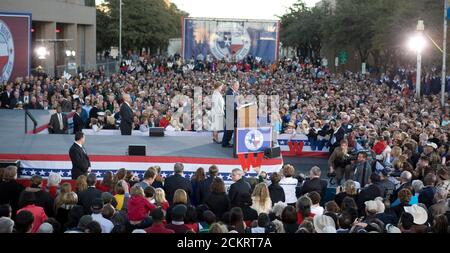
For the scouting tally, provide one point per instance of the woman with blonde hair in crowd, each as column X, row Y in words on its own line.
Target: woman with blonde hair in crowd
column 64, row 202
column 81, row 184
column 120, row 175
column 261, row 199
column 160, row 199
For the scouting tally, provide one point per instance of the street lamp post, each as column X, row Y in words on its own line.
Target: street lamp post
column 444, row 55
column 120, row 31
column 418, row 44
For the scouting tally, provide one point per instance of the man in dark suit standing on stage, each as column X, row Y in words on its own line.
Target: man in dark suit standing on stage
column 80, row 160
column 126, row 116
column 228, row 133
column 77, row 121
column 58, row 122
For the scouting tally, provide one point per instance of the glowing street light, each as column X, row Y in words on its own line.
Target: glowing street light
column 70, row 53
column 42, row 53
column 417, row 43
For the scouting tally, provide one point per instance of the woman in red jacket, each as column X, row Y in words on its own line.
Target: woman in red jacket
column 27, row 203
column 139, row 208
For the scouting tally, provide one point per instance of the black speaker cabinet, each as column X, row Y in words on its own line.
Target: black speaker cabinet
column 156, row 132
column 136, row 150
column 272, row 152
column 6, row 163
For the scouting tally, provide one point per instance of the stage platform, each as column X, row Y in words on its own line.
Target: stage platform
column 43, row 153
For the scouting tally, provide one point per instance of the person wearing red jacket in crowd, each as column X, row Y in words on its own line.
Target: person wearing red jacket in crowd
column 139, row 208
column 303, row 206
column 107, row 182
column 379, row 146
column 165, row 121
column 27, row 203
column 158, row 226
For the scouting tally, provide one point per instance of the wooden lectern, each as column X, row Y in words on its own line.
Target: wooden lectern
column 247, row 116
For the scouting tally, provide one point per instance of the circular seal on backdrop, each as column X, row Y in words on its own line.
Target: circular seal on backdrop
column 254, row 140
column 230, row 40
column 6, row 52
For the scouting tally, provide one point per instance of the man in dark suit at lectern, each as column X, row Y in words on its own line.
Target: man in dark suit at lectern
column 228, row 133
column 80, row 160
column 126, row 116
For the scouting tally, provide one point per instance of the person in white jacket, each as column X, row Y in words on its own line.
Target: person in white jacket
column 217, row 111
column 289, row 183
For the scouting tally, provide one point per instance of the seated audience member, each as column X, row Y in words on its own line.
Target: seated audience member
column 303, row 206
column 139, row 209
column 6, row 225
column 5, row 210
column 64, row 202
column 289, row 219
column 97, row 210
column 249, row 214
column 149, row 194
column 86, row 198
column 208, row 219
column 179, row 198
column 177, row 224
column 43, row 198
column 149, row 178
column 121, row 190
column 160, row 199
column 93, row 228
column 24, row 222
column 239, row 187
column 73, row 217
column 107, row 183
column 53, row 184
column 176, row 182
column 314, row 183
column 275, row 190
column 27, row 202
column 81, row 184
column 218, row 201
column 289, row 183
column 261, row 199
column 157, row 226
column 10, row 189
column 315, row 200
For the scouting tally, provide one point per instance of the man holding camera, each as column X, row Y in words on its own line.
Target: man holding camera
column 338, row 161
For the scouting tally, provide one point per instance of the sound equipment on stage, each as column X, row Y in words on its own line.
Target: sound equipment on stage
column 272, row 152
column 156, row 132
column 6, row 163
column 136, row 150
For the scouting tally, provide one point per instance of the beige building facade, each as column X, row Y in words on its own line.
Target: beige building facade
column 59, row 25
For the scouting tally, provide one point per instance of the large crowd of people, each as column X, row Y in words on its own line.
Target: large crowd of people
column 280, row 203
column 389, row 152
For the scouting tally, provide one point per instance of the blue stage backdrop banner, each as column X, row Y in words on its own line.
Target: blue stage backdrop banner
column 253, row 140
column 230, row 39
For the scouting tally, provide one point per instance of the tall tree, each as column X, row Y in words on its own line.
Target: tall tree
column 145, row 24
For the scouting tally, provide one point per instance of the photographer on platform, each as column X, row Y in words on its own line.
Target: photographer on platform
column 338, row 160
